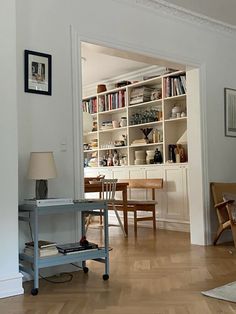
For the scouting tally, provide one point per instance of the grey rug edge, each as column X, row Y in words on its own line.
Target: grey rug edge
column 226, row 292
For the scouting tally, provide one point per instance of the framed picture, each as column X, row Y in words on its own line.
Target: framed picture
column 230, row 112
column 38, row 72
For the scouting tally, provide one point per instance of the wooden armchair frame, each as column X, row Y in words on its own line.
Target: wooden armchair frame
column 224, row 208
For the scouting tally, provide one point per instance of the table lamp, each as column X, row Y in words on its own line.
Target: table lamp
column 41, row 168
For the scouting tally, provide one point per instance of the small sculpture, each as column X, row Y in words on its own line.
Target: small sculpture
column 146, row 132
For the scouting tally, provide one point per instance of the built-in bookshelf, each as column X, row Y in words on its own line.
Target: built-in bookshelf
column 123, row 116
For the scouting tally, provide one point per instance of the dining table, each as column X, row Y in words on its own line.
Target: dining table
column 96, row 187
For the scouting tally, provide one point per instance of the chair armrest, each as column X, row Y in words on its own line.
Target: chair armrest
column 223, row 204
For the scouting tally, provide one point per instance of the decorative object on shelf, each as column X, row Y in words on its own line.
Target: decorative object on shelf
column 106, row 125
column 230, row 112
column 180, row 155
column 146, row 116
column 41, row 168
column 180, row 151
column 122, row 83
column 87, row 122
column 140, row 157
column 171, row 153
column 150, row 156
column 156, row 94
column 146, row 132
column 123, row 160
column 175, row 112
column 115, row 124
column 38, row 72
column 157, row 157
column 123, row 122
column 119, row 143
column 101, row 88
column 125, row 139
column 116, row 158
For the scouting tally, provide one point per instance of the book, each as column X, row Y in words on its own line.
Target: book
column 41, row 252
column 41, row 244
column 75, row 252
column 49, row 201
column 75, row 247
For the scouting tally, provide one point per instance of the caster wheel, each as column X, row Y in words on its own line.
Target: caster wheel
column 34, row 291
column 86, row 270
column 105, row 277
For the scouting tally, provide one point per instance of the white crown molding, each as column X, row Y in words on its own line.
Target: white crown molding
column 183, row 14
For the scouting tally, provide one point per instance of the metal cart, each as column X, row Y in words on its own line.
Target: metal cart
column 84, row 206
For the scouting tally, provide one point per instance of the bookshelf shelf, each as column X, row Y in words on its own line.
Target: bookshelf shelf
column 165, row 93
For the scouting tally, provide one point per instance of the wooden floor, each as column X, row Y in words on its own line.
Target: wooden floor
column 156, row 274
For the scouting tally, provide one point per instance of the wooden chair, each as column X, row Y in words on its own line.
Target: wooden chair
column 137, row 206
column 108, row 194
column 224, row 208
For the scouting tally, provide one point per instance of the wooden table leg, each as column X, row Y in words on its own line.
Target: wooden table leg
column 125, row 209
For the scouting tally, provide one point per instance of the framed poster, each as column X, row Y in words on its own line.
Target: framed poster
column 38, row 72
column 230, row 112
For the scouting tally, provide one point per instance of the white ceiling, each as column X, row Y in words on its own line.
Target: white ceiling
column 100, row 64
column 221, row 10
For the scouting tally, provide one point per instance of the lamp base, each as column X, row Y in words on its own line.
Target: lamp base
column 41, row 189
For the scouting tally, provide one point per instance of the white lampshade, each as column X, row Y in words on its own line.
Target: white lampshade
column 42, row 166
column 87, row 122
column 183, row 138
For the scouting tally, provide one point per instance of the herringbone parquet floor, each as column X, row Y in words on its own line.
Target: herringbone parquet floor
column 155, row 274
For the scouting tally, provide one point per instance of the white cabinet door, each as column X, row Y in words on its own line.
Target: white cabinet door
column 176, row 193
column 157, row 172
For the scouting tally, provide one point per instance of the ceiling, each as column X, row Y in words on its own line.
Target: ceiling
column 100, row 64
column 221, row 10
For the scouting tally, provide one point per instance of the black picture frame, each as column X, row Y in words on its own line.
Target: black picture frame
column 38, row 72
column 230, row 112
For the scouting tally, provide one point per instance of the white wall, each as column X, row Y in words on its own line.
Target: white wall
column 10, row 279
column 44, row 121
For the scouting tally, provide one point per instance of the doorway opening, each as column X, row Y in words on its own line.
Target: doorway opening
column 105, row 68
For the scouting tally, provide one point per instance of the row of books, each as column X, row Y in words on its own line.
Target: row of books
column 47, row 248
column 90, row 105
column 111, row 101
column 174, row 86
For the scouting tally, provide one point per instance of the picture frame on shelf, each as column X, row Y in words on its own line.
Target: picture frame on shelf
column 230, row 111
column 38, row 72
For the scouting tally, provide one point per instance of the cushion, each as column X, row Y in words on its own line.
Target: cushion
column 231, row 197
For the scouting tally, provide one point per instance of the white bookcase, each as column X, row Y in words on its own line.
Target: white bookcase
column 115, row 104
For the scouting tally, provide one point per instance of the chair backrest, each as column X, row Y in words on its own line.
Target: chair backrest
column 218, row 189
column 152, row 184
column 108, row 189
column 145, row 183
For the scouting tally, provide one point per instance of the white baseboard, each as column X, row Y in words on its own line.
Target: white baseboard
column 11, row 286
column 172, row 225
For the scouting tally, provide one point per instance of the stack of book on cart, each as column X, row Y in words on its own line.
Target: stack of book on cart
column 45, row 248
column 72, row 248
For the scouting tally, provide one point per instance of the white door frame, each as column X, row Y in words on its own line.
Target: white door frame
column 199, row 210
